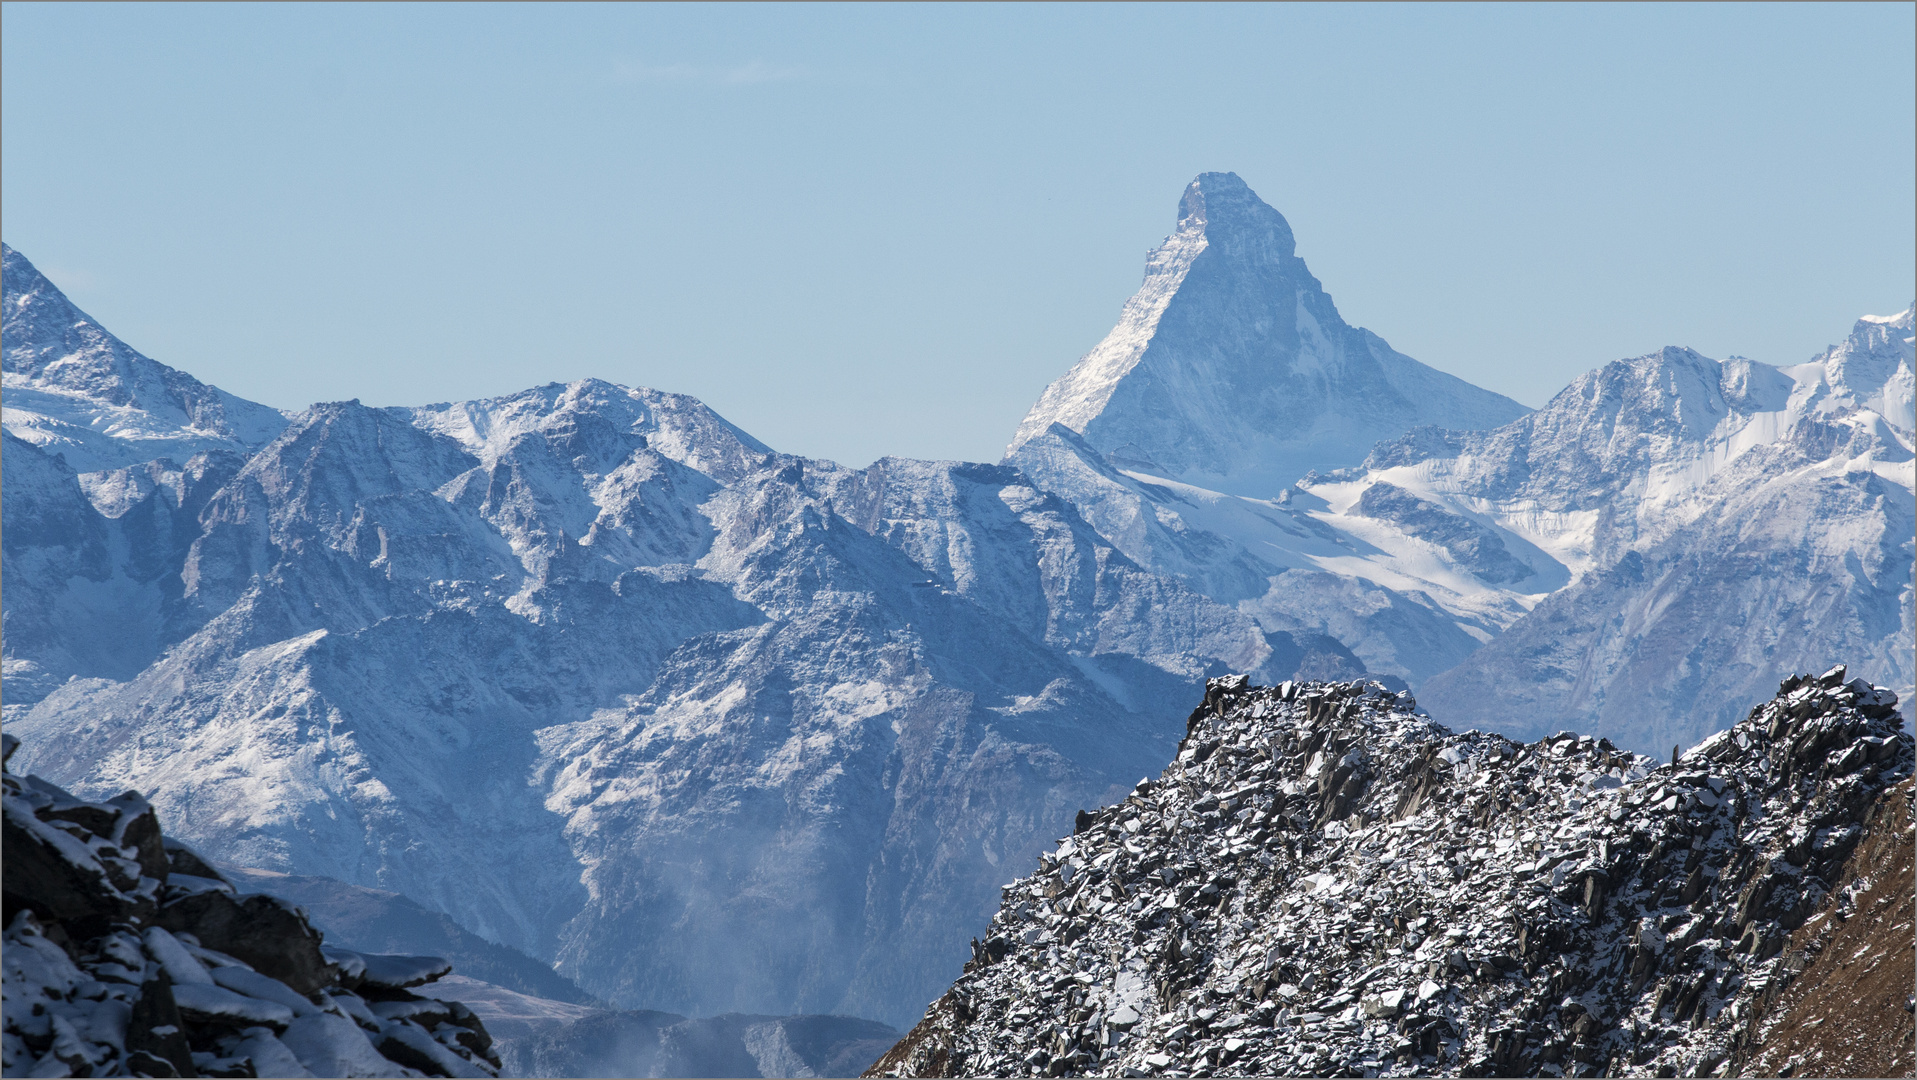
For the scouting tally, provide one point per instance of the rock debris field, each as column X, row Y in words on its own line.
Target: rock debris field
column 1328, row 883
column 127, row 955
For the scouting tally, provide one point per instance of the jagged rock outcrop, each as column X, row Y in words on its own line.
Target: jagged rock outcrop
column 126, row 954
column 1329, row 883
column 377, row 921
column 1850, row 1011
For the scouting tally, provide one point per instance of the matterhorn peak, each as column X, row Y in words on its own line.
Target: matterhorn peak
column 1234, row 219
column 1231, row 369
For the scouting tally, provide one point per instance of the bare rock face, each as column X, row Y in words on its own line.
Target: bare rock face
column 269, row 935
column 127, row 956
column 1328, row 883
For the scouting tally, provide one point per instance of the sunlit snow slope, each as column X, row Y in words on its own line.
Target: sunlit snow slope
column 1728, row 521
column 595, row 672
column 1231, row 369
column 1668, row 531
column 76, row 390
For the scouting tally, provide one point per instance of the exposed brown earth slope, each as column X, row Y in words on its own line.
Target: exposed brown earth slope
column 1848, row 1012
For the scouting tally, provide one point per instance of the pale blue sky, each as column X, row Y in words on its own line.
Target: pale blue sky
column 867, row 230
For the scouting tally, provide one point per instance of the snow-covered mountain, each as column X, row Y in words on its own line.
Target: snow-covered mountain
column 755, row 732
column 1229, row 377
column 1630, row 454
column 1727, row 521
column 1230, row 368
column 1667, row 532
column 78, row 391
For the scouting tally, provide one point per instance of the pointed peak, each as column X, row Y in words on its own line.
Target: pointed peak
column 1231, row 369
column 22, row 277
column 1224, row 208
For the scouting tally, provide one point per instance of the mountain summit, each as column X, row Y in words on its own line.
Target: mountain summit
column 1230, row 368
column 756, row 733
column 75, row 390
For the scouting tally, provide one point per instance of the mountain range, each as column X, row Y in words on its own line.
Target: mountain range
column 716, row 729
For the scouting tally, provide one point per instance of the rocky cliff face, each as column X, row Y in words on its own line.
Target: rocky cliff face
column 1849, row 1011
column 1230, row 369
column 128, row 955
column 1328, row 883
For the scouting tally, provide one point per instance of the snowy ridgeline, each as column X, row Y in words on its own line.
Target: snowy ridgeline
column 1669, row 534
column 598, row 634
column 761, row 732
column 126, row 954
column 1328, row 883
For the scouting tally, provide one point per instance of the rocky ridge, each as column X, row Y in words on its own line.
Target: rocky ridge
column 76, row 390
column 1329, row 883
column 1851, row 1012
column 126, row 954
column 600, row 634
